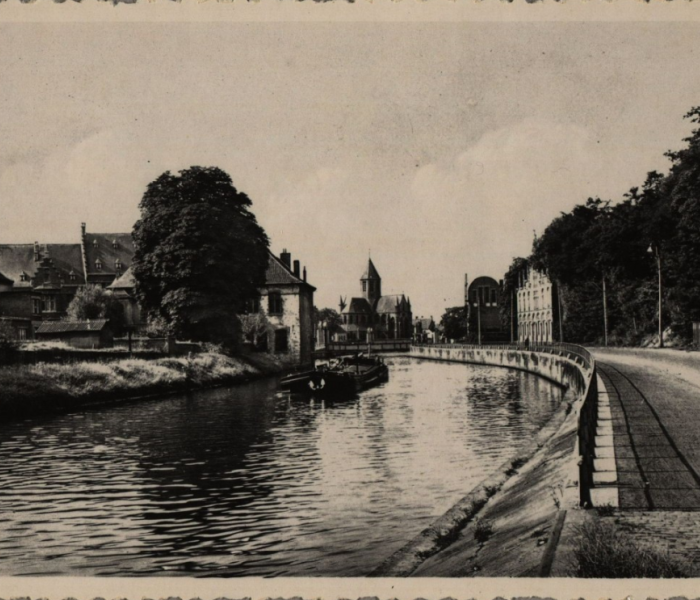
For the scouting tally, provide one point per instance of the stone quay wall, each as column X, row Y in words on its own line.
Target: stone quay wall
column 568, row 365
column 531, row 493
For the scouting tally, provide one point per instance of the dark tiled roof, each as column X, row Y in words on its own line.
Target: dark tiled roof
column 125, row 282
column 278, row 274
column 387, row 304
column 16, row 259
column 108, row 248
column 358, row 306
column 370, row 271
column 425, row 324
column 70, row 326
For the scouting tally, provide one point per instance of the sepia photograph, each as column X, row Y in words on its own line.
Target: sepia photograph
column 336, row 298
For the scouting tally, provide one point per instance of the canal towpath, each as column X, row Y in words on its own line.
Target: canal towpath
column 654, row 399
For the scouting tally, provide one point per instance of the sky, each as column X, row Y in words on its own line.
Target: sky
column 438, row 148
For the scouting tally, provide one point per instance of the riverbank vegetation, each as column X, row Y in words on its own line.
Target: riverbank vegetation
column 605, row 552
column 48, row 387
column 608, row 258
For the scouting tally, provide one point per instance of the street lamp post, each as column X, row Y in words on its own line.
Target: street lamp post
column 654, row 248
column 478, row 317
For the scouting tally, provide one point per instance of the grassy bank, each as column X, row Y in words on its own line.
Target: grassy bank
column 46, row 388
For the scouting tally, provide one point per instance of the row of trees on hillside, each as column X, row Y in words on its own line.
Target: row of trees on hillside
column 609, row 259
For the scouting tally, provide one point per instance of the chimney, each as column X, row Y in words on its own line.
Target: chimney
column 82, row 229
column 296, row 268
column 304, row 278
column 36, row 251
column 286, row 259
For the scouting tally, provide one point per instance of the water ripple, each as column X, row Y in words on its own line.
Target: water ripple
column 247, row 481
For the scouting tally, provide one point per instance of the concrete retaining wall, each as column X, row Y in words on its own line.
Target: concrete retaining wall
column 553, row 481
column 562, row 367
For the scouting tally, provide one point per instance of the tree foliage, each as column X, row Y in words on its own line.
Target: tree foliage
column 454, row 323
column 200, row 254
column 330, row 316
column 94, row 302
column 622, row 246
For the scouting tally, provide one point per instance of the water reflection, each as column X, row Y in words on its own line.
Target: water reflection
column 249, row 481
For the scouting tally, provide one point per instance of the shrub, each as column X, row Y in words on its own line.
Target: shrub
column 604, row 552
column 607, row 510
column 515, row 464
column 483, row 530
column 490, row 490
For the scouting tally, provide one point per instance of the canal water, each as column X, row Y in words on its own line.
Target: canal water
column 247, row 481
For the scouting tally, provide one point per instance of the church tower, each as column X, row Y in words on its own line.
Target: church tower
column 371, row 284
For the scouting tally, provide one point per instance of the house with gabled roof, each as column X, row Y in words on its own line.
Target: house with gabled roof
column 38, row 281
column 287, row 302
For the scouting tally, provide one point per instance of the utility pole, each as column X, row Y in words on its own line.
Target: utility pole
column 655, row 249
column 661, row 330
column 605, row 313
column 561, row 325
column 478, row 315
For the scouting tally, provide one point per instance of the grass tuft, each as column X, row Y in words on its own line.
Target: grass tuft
column 604, row 552
column 483, row 530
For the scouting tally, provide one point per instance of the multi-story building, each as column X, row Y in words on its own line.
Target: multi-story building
column 287, row 302
column 537, row 313
column 37, row 283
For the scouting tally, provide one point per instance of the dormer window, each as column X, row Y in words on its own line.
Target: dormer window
column 23, row 276
column 98, row 264
column 118, row 265
column 94, row 243
column 115, row 245
column 71, row 275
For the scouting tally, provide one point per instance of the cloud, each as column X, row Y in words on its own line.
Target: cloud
column 484, row 204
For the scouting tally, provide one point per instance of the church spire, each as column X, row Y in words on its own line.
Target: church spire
column 371, row 283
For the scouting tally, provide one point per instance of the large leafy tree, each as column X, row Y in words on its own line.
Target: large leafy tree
column 200, row 254
column 94, row 302
column 454, row 323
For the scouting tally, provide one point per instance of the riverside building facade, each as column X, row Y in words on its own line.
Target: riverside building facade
column 38, row 282
column 537, row 307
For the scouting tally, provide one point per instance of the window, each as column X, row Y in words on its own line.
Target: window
column 50, row 304
column 274, row 303
column 22, row 334
column 23, row 276
column 251, row 306
column 281, row 340
column 118, row 265
column 115, row 245
column 494, row 300
column 71, row 275
column 94, row 243
column 98, row 264
column 364, row 285
column 345, row 319
column 36, row 306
